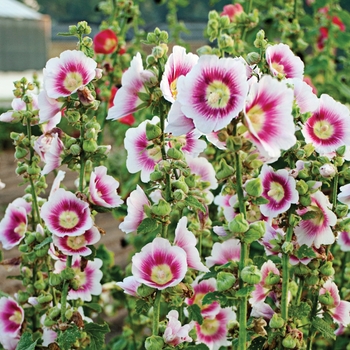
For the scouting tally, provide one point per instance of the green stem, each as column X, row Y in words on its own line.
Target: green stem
column 82, row 161
column 65, row 292
column 156, row 313
column 247, row 11
column 335, row 191
column 295, row 16
column 299, row 292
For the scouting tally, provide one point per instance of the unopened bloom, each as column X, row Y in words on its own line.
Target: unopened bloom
column 174, row 333
column 130, row 285
column 66, row 215
column 316, row 230
column 232, row 11
column 136, row 213
column 159, row 264
column 279, row 188
column 213, row 92
column 268, row 116
column 283, row 63
column 329, row 126
column 105, row 41
column 13, row 225
column 63, row 76
column 103, row 188
column 224, row 252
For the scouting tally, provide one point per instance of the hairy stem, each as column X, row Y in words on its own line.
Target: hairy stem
column 156, row 312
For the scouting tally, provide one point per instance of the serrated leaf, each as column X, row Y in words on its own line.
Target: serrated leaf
column 245, row 291
column 47, row 240
column 195, row 203
column 68, row 337
column 257, row 343
column 208, row 275
column 94, row 306
column 97, row 334
column 305, row 252
column 260, row 201
column 147, row 225
column 324, row 328
column 300, row 311
column 194, row 313
column 26, row 342
column 142, row 306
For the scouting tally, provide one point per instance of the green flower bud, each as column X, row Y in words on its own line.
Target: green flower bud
column 341, row 210
column 253, row 58
column 144, row 291
column 54, row 313
column 72, row 116
column 302, row 187
column 21, row 169
column 225, row 280
column 326, row 299
column 224, row 21
column 156, row 176
column 301, row 270
column 276, row 321
column 23, row 248
column 90, row 146
column 225, row 41
column 305, row 200
column 83, row 28
column 163, row 208
column 44, row 298
column 254, row 187
column 22, row 297
column 157, row 52
column 341, row 150
column 163, row 36
column 191, row 180
column 48, row 322
column 251, row 274
column 179, row 195
column 289, row 342
column 239, row 224
column 30, row 238
column 180, row 184
column 153, row 131
column 327, row 269
column 234, row 143
column 87, row 42
column 75, row 149
column 204, row 50
column 312, row 280
column 225, row 171
column 68, row 273
column 314, row 264
column 256, row 231
column 69, row 314
column 34, row 170
column 175, row 153
column 40, row 285
column 42, row 251
column 272, row 279
column 54, row 279
column 20, row 152
column 213, row 15
column 91, row 133
column 154, row 342
column 73, row 30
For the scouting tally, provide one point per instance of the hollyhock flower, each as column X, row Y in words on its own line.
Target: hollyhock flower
column 13, row 225
column 50, row 147
column 339, row 309
column 178, row 124
column 87, row 280
column 128, row 119
column 174, row 333
column 8, row 342
column 329, row 126
column 72, row 245
column 271, row 239
column 232, row 11
column 49, row 336
column 283, row 62
column 57, row 182
column 49, row 110
column 126, row 100
column 344, row 241
column 200, row 289
column 190, row 142
column 103, row 189
column 135, row 203
column 213, row 92
column 279, row 188
column 105, row 42
column 141, row 157
column 268, row 116
column 344, row 195
column 186, row 240
column 317, row 230
column 213, row 331
column 224, row 252
column 66, row 215
column 262, row 309
column 179, row 63
column 64, row 75
column 223, row 201
column 214, row 139
column 130, row 285
column 159, row 264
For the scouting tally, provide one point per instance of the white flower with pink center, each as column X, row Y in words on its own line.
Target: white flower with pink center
column 339, row 309
column 262, row 309
column 174, row 333
column 186, row 240
column 66, row 215
column 126, row 100
column 316, row 230
column 50, row 148
column 283, row 63
column 130, row 285
column 143, row 155
column 13, row 225
column 213, row 331
column 279, row 188
column 200, row 289
column 159, row 264
column 64, row 75
column 103, row 189
column 11, row 320
column 329, row 126
column 77, row 245
column 136, row 213
column 87, row 279
column 224, row 252
column 213, row 92
column 49, row 110
column 179, row 63
column 268, row 116
column 344, row 195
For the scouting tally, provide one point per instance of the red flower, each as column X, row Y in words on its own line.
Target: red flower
column 105, row 42
column 128, row 119
column 232, row 11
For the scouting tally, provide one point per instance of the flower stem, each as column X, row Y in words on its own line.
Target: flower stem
column 156, row 312
column 335, row 191
column 247, row 11
column 82, row 161
column 65, row 292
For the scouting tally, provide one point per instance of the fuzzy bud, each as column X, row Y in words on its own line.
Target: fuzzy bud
column 54, row 279
column 152, row 131
column 253, row 58
column 224, row 170
column 256, row 231
column 276, row 321
column 328, row 170
column 44, row 298
column 163, row 208
column 225, row 280
column 327, row 269
column 225, row 41
column 251, row 274
column 68, row 273
column 271, row 279
column 204, row 50
column 90, row 146
column 289, row 342
column 239, row 224
column 154, row 342
column 254, row 187
column 326, row 299
column 175, row 153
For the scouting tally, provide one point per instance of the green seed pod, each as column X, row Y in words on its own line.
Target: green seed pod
column 163, row 208
column 239, row 224
column 276, row 321
column 251, row 274
column 42, row 251
column 289, row 342
column 256, row 231
column 225, row 280
column 179, row 195
column 154, row 342
column 180, row 184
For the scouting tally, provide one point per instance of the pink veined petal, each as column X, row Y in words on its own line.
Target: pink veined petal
column 201, row 166
column 341, row 313
column 49, row 110
column 57, row 182
column 130, row 285
column 178, row 123
column 49, row 336
column 223, row 202
column 213, row 92
column 11, row 317
column 268, row 266
column 9, row 342
column 213, row 138
column 262, row 309
column 224, row 252
column 191, row 143
column 344, row 241
column 344, row 195
column 259, row 294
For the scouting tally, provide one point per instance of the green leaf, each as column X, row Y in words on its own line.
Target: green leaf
column 324, row 328
column 195, row 203
column 200, row 346
column 97, row 334
column 142, row 306
column 300, row 311
column 94, row 306
column 257, row 343
column 147, row 225
column 26, row 342
column 305, row 252
column 245, row 291
column 194, row 313
column 47, row 240
column 68, row 337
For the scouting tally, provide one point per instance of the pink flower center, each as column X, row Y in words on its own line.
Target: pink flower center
column 161, row 274
column 276, row 191
column 323, row 129
column 72, row 81
column 68, row 219
column 76, row 242
column 210, row 326
column 217, row 94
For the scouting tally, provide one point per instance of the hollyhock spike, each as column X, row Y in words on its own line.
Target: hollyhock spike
column 66, row 215
column 63, row 76
column 224, row 252
column 213, row 92
column 159, row 265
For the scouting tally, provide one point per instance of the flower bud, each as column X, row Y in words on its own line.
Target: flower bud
column 253, row 58
column 154, row 342
column 163, row 208
column 305, row 200
column 54, row 313
column 54, row 279
column 41, row 252
column 20, row 152
column 90, row 145
column 256, row 231
column 191, row 180
column 225, row 280
column 204, row 50
column 69, row 314
column 312, row 280
column 40, row 285
column 224, row 170
column 326, row 299
column 327, row 269
column 152, row 131
column 276, row 321
column 301, row 270
column 73, row 30
column 254, row 187
column 158, row 52
column 33, row 170
column 341, row 210
column 239, row 224
column 328, row 170
column 225, row 41
column 30, row 238
column 44, row 298
column 289, row 342
column 251, row 274
column 68, row 273
column 271, row 279
column 175, row 153
column 302, row 187
column 156, row 176
column 48, row 322
column 180, row 184
column 22, row 297
column 179, row 195
column 151, row 38
column 75, row 149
